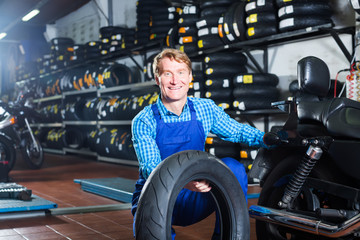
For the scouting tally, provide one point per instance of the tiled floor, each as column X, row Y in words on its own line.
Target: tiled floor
column 55, row 182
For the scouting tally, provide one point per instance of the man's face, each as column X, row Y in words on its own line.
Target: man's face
column 174, row 80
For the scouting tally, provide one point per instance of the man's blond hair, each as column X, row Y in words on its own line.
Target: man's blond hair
column 172, row 54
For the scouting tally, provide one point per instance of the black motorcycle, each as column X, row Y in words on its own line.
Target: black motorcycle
column 311, row 180
column 16, row 133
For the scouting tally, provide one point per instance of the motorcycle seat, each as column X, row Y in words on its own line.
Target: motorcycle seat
column 340, row 116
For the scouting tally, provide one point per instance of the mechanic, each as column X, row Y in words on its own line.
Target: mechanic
column 176, row 123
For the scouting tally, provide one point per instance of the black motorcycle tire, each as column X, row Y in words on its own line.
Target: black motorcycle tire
column 272, row 191
column 7, row 149
column 34, row 159
column 156, row 202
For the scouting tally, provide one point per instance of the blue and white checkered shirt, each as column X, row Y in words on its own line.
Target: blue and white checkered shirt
column 213, row 118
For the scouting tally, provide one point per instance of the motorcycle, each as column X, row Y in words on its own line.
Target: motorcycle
column 310, row 181
column 16, row 133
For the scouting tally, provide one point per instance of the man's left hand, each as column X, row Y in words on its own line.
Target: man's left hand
column 198, row 186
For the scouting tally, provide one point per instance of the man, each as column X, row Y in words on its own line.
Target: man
column 176, row 123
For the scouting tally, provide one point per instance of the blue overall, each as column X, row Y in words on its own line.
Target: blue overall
column 190, row 207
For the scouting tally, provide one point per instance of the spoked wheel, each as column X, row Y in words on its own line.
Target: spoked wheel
column 157, row 199
column 273, row 190
column 33, row 155
column 7, row 153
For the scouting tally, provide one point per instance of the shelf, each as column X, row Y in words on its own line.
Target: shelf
column 77, row 92
column 123, row 53
column 117, row 160
column 115, row 122
column 56, row 97
column 256, row 112
column 131, row 87
column 80, row 122
column 56, row 151
column 46, row 124
column 82, row 151
column 267, row 41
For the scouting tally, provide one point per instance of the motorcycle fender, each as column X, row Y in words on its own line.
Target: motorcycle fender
column 6, row 136
column 262, row 165
column 267, row 159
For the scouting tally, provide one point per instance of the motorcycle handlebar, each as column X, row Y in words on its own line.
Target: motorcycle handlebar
column 271, row 138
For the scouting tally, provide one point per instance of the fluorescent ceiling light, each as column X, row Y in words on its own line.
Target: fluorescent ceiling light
column 2, row 35
column 30, row 15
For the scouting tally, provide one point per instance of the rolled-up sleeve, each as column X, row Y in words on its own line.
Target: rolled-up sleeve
column 231, row 130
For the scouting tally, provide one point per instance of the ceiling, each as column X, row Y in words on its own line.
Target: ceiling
column 11, row 12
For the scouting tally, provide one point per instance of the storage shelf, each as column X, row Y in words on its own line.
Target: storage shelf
column 46, row 124
column 56, row 151
column 115, row 122
column 301, row 34
column 131, row 87
column 123, row 53
column 79, row 122
column 77, row 92
column 82, row 151
column 56, row 97
column 245, row 46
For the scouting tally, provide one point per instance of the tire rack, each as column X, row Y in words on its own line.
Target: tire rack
column 244, row 46
column 97, row 123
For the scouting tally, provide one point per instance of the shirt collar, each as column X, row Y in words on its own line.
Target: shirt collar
column 163, row 111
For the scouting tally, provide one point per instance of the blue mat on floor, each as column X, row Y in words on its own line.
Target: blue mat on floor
column 35, row 204
column 120, row 189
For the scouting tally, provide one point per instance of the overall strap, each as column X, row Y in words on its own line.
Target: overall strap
column 156, row 112
column 192, row 110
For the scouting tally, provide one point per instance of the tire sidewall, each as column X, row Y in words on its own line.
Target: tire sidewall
column 183, row 168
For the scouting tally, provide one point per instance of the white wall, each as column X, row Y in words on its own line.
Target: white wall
column 83, row 25
column 283, row 58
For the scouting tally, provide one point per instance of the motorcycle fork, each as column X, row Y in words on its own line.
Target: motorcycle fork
column 293, row 188
column 31, row 135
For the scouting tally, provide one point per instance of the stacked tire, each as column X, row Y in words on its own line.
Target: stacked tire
column 162, row 19
column 115, row 38
column 43, row 64
column 59, row 138
column 113, row 142
column 108, row 108
column 61, row 52
column 219, row 69
column 208, row 33
column 143, row 19
column 77, row 54
column 261, row 19
column 231, row 25
column 197, row 85
column 240, row 152
column 147, row 70
column 54, row 138
column 255, row 91
column 187, row 30
column 300, row 14
column 92, row 50
column 51, row 113
column 118, row 74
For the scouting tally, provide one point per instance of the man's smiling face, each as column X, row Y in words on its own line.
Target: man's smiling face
column 174, row 79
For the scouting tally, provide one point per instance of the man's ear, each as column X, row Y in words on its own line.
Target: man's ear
column 157, row 80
